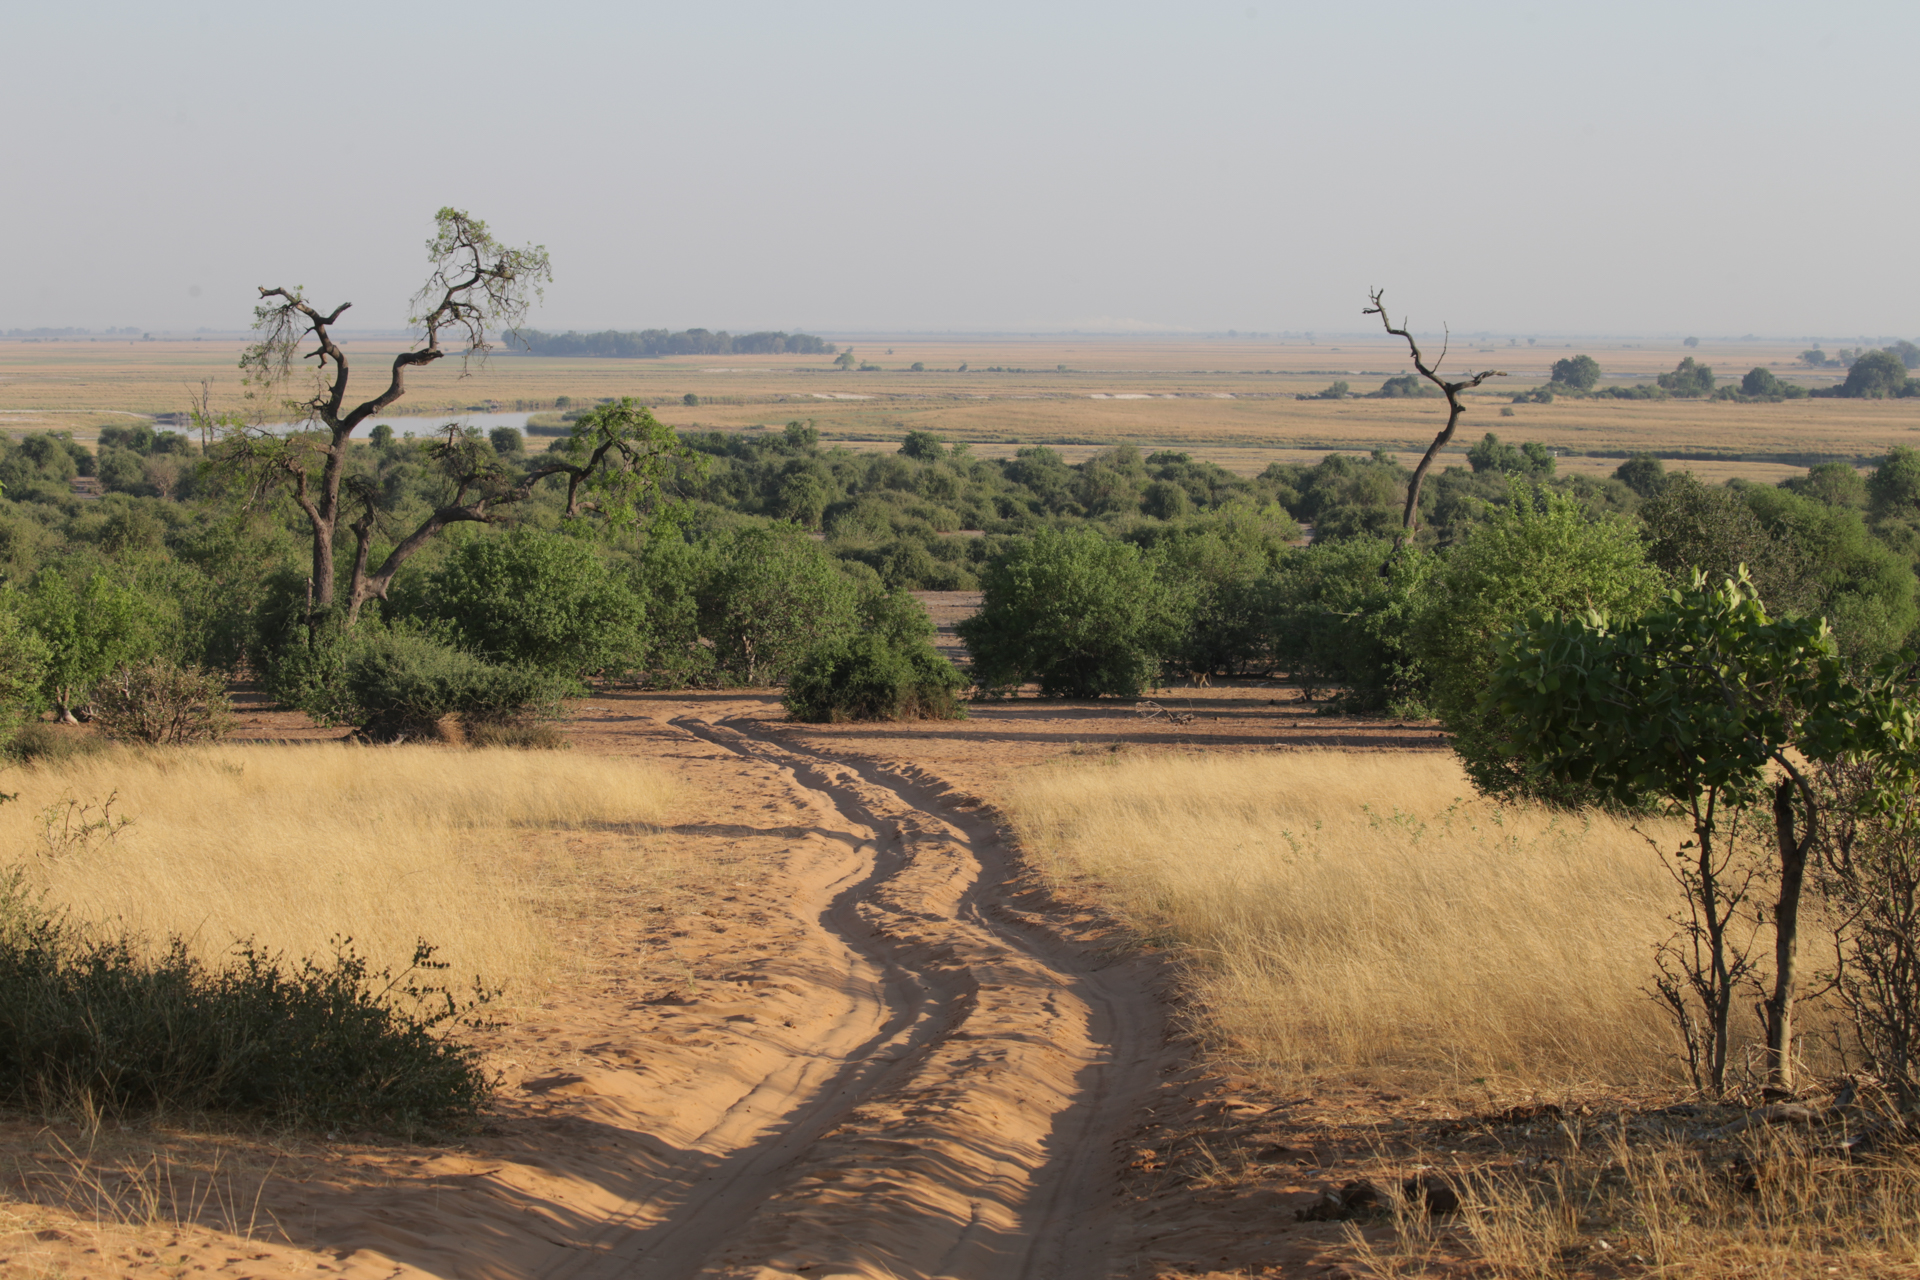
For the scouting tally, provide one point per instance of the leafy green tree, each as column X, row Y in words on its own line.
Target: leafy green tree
column 1581, row 372
column 1759, row 381
column 1643, row 473
column 1813, row 357
column 802, row 499
column 767, row 596
column 1877, row 375
column 1687, row 379
column 1165, row 500
column 1836, row 484
column 1692, row 526
column 1531, row 461
column 23, row 669
column 923, row 446
column 1908, row 352
column 1691, row 342
column 1710, row 704
column 538, row 599
column 86, row 634
column 1084, row 616
column 1334, row 620
column 506, row 441
column 1863, row 588
column 1541, row 551
column 1893, row 487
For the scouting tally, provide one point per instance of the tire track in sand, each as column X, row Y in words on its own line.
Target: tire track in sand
column 977, row 1139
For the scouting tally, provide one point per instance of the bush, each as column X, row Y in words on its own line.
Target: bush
column 1643, row 473
column 766, row 597
column 1336, row 622
column 874, row 677
column 1082, row 615
column 23, row 667
column 163, row 704
column 1540, row 552
column 404, row 686
column 1689, row 378
column 91, row 1022
column 54, row 743
column 1580, row 373
column 538, row 599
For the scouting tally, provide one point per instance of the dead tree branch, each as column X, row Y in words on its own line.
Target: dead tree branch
column 1409, row 520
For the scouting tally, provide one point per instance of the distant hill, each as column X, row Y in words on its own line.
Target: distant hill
column 663, row 342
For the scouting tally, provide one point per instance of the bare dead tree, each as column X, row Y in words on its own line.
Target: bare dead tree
column 1409, row 521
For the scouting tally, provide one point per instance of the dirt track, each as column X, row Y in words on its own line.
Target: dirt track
column 865, row 1043
column 957, row 1113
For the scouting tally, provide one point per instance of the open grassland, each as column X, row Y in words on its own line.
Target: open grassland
column 1351, row 920
column 1365, row 914
column 1232, row 400
column 295, row 846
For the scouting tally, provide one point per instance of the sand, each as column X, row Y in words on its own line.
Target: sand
column 872, row 1045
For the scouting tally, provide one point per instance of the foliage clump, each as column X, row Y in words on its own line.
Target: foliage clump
column 401, row 686
column 163, row 704
column 1083, row 616
column 94, row 1022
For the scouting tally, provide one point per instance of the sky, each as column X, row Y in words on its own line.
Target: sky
column 1513, row 168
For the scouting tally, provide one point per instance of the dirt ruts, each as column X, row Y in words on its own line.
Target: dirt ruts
column 970, row 1131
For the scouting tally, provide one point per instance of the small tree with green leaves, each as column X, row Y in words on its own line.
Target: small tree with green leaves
column 1582, row 372
column 86, row 634
column 1708, row 704
column 1081, row 614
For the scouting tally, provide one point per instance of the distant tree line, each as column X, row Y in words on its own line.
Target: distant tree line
column 662, row 342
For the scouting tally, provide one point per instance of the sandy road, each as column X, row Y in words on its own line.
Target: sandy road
column 854, row 1055
column 958, row 1117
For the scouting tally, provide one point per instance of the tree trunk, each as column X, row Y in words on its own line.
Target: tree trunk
column 1720, row 1004
column 1786, row 937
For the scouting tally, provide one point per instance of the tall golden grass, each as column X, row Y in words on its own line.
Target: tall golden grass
column 295, row 846
column 1367, row 914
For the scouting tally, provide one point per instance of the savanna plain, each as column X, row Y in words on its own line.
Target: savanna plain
column 1237, row 977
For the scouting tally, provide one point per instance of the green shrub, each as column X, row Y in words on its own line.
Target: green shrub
column 1335, row 621
column 538, row 599
column 874, row 677
column 1079, row 613
column 766, row 597
column 89, row 1020
column 1540, row 552
column 403, row 686
column 23, row 669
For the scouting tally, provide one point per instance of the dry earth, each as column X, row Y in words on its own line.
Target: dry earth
column 870, row 1044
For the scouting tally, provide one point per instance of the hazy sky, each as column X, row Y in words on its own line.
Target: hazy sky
column 1711, row 168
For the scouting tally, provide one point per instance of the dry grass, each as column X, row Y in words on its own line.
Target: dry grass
column 297, row 845
column 1361, row 913
column 1610, row 1200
